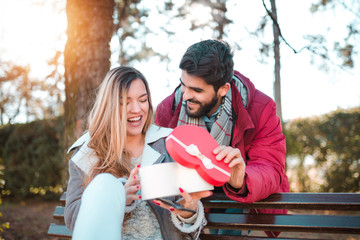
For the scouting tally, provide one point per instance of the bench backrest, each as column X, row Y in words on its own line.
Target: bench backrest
column 316, row 221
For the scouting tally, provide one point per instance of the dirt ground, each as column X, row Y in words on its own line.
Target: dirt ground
column 30, row 220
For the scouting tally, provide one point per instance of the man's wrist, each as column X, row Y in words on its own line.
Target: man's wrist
column 243, row 191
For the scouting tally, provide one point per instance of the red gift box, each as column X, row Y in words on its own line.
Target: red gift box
column 192, row 147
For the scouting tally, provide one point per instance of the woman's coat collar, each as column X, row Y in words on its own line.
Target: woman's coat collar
column 85, row 157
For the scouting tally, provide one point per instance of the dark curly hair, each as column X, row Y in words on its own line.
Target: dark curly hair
column 211, row 60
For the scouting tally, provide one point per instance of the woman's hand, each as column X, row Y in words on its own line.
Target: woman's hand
column 233, row 158
column 190, row 201
column 132, row 185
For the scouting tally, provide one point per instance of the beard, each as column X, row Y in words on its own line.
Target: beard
column 204, row 108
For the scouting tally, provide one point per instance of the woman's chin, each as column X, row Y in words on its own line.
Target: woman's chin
column 134, row 128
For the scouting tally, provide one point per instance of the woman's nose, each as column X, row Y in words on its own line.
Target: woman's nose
column 134, row 107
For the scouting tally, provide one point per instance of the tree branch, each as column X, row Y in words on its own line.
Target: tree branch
column 277, row 25
column 305, row 47
column 349, row 9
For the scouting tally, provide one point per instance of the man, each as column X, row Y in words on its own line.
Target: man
column 241, row 118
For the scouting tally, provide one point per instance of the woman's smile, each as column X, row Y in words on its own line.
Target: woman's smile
column 135, row 121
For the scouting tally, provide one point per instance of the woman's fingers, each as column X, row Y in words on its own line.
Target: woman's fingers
column 131, row 194
column 192, row 198
column 187, row 197
column 132, row 189
column 133, row 177
column 199, row 195
column 189, row 201
column 132, row 186
column 185, row 214
column 165, row 206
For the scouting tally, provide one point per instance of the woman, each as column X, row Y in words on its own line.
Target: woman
column 103, row 194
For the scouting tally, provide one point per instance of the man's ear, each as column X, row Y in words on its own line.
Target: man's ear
column 224, row 89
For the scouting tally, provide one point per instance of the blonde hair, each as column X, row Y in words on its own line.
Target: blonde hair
column 107, row 122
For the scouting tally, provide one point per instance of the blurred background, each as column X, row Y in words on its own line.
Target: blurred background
column 54, row 54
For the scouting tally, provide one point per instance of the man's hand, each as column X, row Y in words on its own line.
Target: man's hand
column 232, row 156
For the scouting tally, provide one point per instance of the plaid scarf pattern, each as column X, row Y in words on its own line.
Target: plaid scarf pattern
column 222, row 128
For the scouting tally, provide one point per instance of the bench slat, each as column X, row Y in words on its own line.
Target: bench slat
column 306, row 201
column 282, row 223
column 59, row 231
column 229, row 237
column 285, row 223
column 59, row 212
column 62, row 231
column 63, row 198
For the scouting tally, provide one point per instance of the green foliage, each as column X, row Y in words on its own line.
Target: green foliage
column 32, row 155
column 5, row 132
column 333, row 142
column 3, row 225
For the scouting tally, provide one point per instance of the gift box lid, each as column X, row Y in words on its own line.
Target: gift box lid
column 192, row 147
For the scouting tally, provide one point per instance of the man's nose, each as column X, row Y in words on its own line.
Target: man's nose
column 186, row 94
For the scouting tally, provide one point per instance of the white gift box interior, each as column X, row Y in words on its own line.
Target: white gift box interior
column 165, row 179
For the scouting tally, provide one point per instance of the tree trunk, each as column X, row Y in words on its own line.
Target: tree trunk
column 87, row 60
column 277, row 82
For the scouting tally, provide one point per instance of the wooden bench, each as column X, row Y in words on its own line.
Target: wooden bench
column 348, row 222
